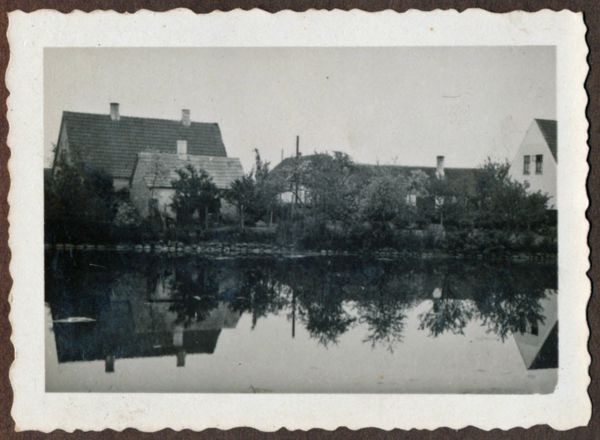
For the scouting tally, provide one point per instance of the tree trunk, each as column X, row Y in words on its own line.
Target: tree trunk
column 271, row 218
column 242, row 217
column 206, row 217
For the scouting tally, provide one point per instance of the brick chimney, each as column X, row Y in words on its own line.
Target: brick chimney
column 439, row 171
column 114, row 111
column 185, row 117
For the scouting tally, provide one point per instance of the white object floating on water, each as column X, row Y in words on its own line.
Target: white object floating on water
column 437, row 293
column 74, row 320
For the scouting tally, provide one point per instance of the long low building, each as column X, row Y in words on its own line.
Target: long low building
column 290, row 172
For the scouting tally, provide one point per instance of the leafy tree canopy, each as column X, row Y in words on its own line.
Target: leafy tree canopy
column 195, row 195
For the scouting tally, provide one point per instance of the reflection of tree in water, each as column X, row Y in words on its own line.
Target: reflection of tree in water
column 195, row 289
column 385, row 321
column 505, row 300
column 382, row 304
column 503, row 316
column 322, row 292
column 318, row 290
column 326, row 320
column 447, row 315
column 510, row 305
column 259, row 293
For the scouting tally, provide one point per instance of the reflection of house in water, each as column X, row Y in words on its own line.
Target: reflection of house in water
column 127, row 325
column 538, row 344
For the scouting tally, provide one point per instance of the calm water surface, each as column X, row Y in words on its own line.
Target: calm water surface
column 185, row 324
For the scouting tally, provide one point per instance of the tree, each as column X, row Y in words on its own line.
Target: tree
column 384, row 198
column 79, row 202
column 448, row 199
column 242, row 194
column 266, row 189
column 195, row 194
column 502, row 202
column 332, row 190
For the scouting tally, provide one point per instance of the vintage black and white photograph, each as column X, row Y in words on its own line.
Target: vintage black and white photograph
column 298, row 220
column 301, row 220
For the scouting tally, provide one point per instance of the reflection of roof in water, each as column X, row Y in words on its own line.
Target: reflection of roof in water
column 539, row 347
column 220, row 317
column 89, row 345
column 131, row 329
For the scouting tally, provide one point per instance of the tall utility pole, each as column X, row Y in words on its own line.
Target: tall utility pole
column 296, row 169
column 293, row 313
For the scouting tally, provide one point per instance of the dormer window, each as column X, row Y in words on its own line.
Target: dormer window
column 182, row 149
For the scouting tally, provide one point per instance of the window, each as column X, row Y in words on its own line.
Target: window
column 539, row 164
column 534, row 328
column 182, row 149
column 526, row 162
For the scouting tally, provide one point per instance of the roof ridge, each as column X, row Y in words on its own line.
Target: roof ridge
column 413, row 166
column 177, row 121
column 189, row 155
column 309, row 156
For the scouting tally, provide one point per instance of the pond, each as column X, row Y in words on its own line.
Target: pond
column 144, row 323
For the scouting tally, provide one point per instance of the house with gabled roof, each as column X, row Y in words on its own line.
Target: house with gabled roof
column 154, row 172
column 118, row 145
column 536, row 160
column 111, row 142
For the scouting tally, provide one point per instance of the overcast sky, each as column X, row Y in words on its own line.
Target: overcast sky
column 380, row 105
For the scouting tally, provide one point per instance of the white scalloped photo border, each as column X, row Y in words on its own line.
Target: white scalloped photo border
column 29, row 33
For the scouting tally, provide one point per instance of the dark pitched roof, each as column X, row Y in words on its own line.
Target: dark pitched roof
column 549, row 131
column 284, row 170
column 89, row 344
column 133, row 330
column 158, row 169
column 397, row 170
column 113, row 145
column 465, row 177
column 458, row 178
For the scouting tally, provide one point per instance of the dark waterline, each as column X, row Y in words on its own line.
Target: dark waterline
column 120, row 322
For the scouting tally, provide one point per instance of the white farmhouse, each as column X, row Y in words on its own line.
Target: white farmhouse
column 537, row 160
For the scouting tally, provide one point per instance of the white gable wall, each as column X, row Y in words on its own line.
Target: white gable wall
column 532, row 145
column 530, row 344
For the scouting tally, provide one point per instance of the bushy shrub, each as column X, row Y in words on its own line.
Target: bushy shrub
column 126, row 216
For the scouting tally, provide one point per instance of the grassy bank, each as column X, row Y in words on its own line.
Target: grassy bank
column 297, row 237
